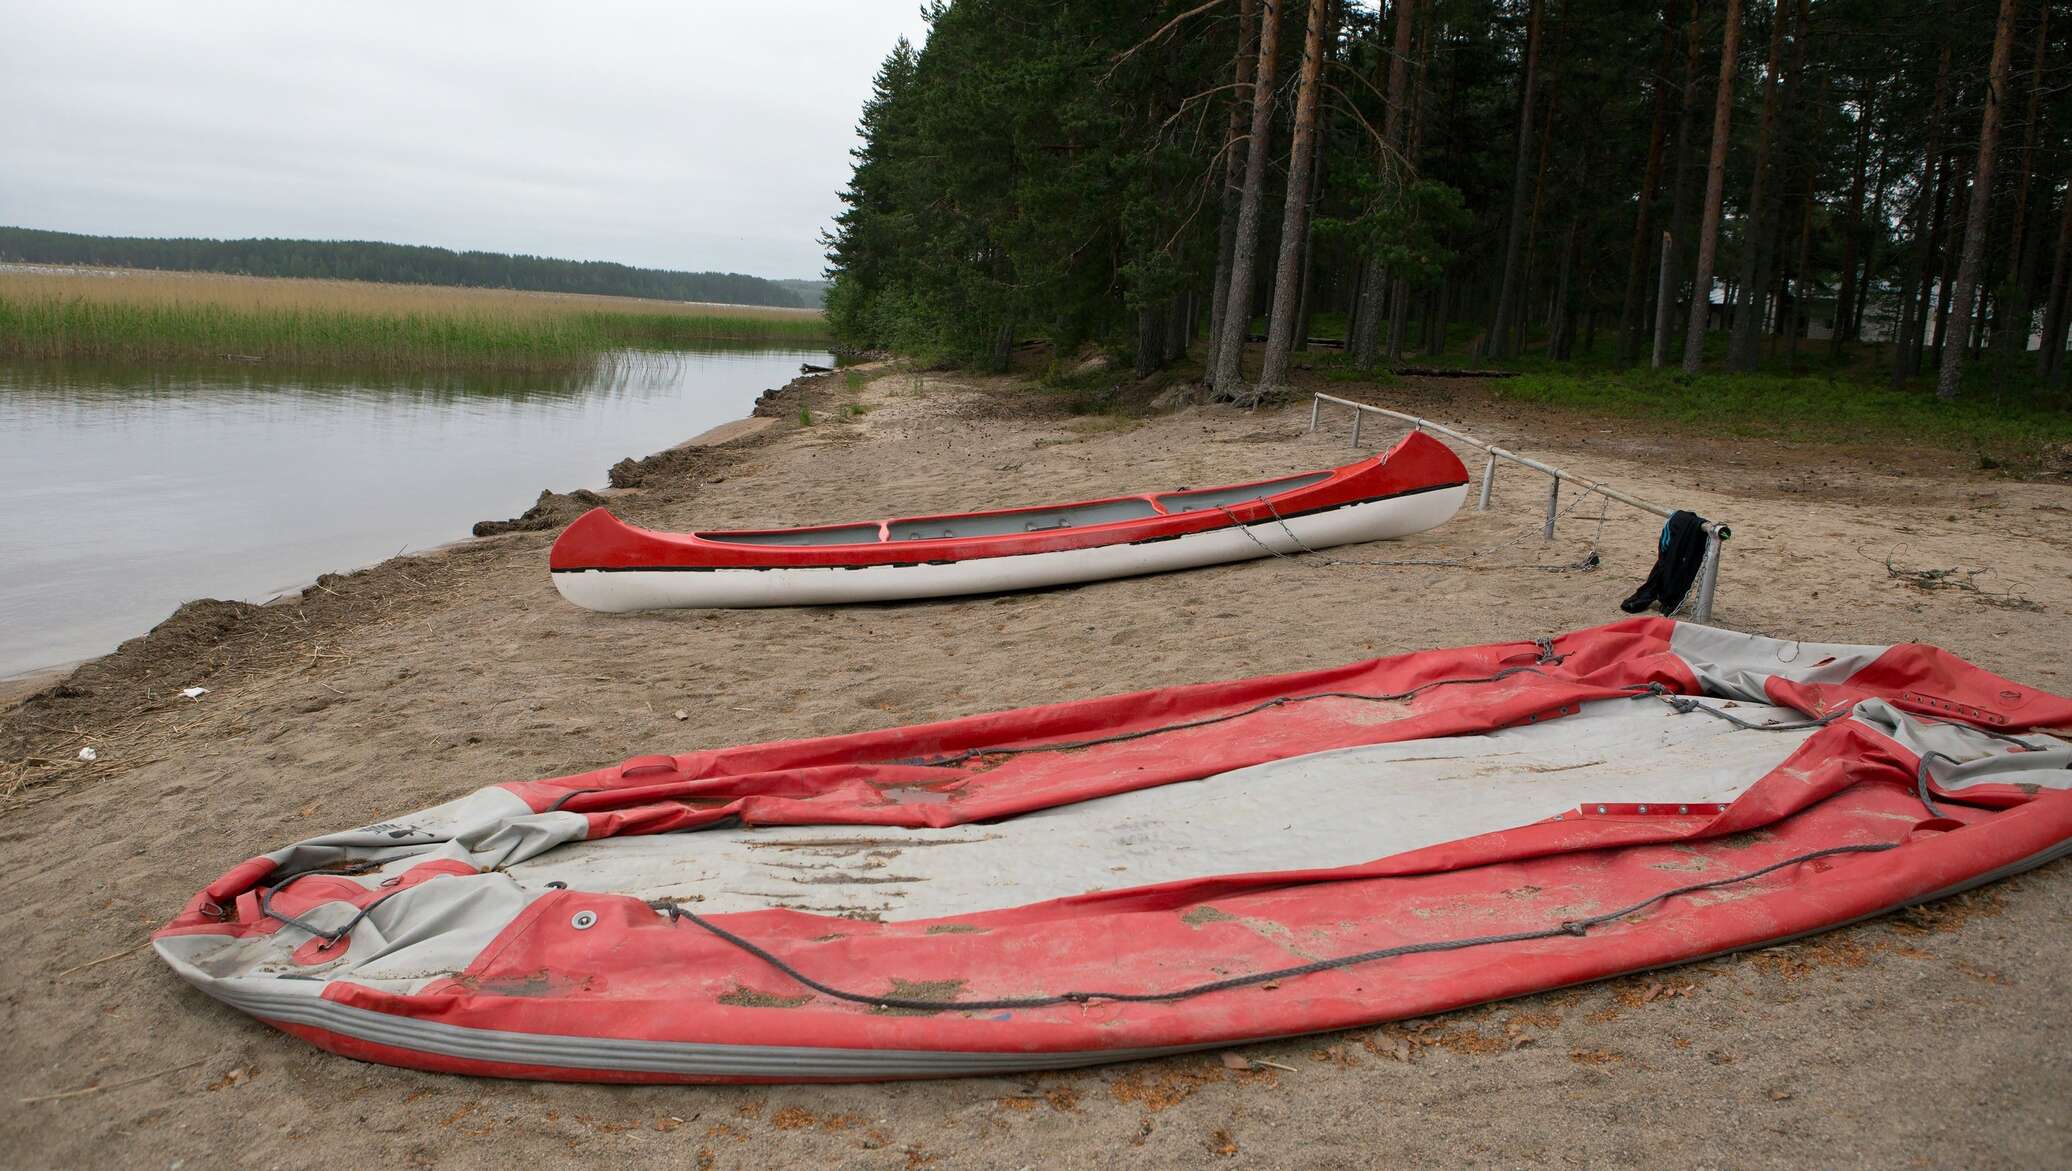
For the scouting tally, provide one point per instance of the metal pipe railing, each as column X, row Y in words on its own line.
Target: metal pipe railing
column 1716, row 534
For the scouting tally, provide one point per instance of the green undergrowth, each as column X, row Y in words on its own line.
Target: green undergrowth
column 1810, row 407
column 2002, row 413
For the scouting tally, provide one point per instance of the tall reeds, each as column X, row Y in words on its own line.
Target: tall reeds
column 157, row 317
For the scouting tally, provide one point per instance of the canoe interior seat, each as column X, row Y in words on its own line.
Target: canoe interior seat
column 1024, row 520
column 1027, row 520
column 1227, row 497
column 839, row 535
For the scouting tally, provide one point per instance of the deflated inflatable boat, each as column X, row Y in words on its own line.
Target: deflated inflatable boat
column 1036, row 889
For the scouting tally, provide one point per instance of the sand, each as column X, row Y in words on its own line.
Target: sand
column 1936, row 1036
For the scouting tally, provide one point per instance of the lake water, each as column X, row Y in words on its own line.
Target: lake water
column 130, row 490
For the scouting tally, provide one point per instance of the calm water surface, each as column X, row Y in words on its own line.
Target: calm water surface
column 130, row 490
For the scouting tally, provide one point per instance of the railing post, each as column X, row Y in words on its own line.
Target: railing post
column 1316, row 405
column 1553, row 506
column 1488, row 482
column 1708, row 577
column 1358, row 415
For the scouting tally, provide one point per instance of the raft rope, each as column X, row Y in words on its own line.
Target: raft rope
column 331, row 937
column 1684, row 705
column 1568, row 927
column 1547, row 657
column 1321, row 560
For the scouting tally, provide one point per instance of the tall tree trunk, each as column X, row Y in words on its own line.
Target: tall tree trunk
column 2050, row 355
column 1906, row 352
column 1715, row 192
column 1763, row 204
column 1632, row 327
column 1233, row 183
column 1150, row 339
column 1399, row 299
column 1287, row 289
column 1440, row 302
column 1950, row 253
column 1796, row 122
column 1796, row 303
column 1227, row 376
column 1981, row 199
column 1528, row 283
column 1309, row 243
column 1666, row 285
column 1509, row 291
column 1799, row 123
column 1845, row 297
column 2012, row 311
column 1561, row 336
column 1874, row 250
column 1366, row 340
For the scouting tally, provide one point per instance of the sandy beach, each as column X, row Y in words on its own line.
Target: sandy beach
column 1932, row 1037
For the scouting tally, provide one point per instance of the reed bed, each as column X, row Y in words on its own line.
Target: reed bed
column 155, row 317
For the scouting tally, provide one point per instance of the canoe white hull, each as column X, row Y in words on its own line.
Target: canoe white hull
column 618, row 591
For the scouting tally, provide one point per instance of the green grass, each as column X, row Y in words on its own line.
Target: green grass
column 2002, row 414
column 1809, row 406
column 805, row 417
column 46, row 327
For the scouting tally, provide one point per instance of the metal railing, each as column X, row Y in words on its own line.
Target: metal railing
column 1716, row 534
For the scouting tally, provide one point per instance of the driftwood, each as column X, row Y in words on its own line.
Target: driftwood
column 1315, row 343
column 1451, row 372
column 810, row 368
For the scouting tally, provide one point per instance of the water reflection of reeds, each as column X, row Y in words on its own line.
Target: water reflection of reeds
column 607, row 375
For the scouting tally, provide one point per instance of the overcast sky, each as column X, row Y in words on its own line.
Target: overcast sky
column 672, row 134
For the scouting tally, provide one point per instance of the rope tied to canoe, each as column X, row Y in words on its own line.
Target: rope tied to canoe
column 1317, row 559
column 1576, row 928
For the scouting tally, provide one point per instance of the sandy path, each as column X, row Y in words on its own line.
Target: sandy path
column 1936, row 1036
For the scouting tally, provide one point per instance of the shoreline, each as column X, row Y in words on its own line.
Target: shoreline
column 552, row 509
column 25, row 682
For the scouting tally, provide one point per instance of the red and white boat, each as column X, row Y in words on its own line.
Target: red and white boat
column 1112, row 878
column 603, row 563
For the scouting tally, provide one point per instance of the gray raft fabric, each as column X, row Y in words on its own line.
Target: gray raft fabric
column 1732, row 665
column 1326, row 809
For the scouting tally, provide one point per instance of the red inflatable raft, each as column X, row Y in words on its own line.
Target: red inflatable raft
column 1032, row 889
column 602, row 563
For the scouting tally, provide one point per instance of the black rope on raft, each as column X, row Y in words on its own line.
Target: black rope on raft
column 1570, row 927
column 1685, row 705
column 331, row 937
column 1547, row 657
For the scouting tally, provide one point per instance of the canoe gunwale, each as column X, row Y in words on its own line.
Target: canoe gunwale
column 979, row 554
column 598, row 541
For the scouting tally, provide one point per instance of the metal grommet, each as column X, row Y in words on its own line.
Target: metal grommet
column 584, row 920
column 395, row 881
column 557, row 886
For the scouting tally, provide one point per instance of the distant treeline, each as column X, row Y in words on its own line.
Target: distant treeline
column 812, row 293
column 409, row 264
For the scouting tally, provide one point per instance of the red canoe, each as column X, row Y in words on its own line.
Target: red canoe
column 602, row 563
